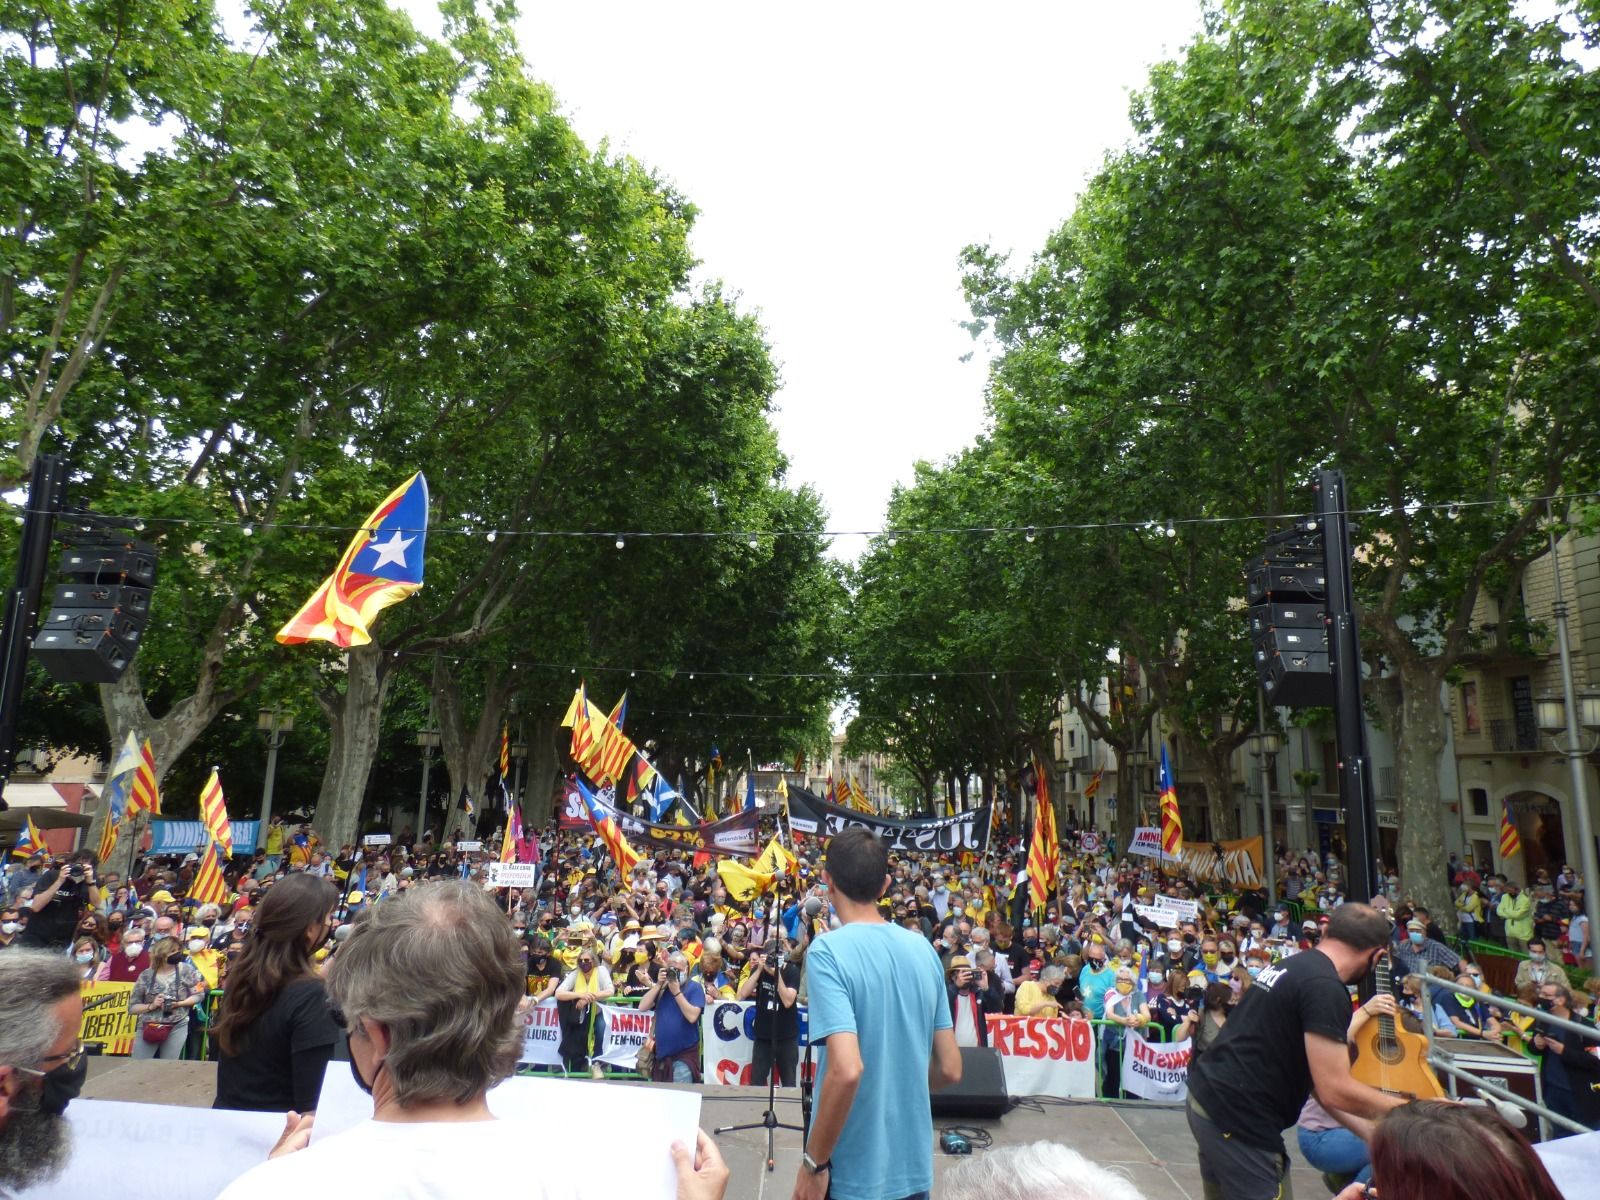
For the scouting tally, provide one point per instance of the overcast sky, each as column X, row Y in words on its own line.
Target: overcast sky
column 841, row 155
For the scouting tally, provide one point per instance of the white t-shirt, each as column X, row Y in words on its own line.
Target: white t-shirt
column 428, row 1161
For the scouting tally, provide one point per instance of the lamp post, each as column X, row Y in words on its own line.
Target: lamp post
column 273, row 726
column 1265, row 745
column 428, row 741
column 1559, row 718
column 519, row 755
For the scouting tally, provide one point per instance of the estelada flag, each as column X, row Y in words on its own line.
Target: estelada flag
column 381, row 566
column 31, row 842
column 1171, row 818
column 624, row 855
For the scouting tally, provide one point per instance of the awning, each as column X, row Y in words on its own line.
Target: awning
column 41, row 795
column 13, row 820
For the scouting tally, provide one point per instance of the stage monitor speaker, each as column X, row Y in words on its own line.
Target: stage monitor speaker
column 982, row 1090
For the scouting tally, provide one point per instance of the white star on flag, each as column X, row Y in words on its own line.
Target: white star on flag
column 392, row 551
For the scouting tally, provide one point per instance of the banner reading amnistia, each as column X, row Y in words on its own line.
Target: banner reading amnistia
column 809, row 813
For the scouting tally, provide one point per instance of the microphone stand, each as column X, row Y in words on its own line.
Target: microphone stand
column 769, row 1119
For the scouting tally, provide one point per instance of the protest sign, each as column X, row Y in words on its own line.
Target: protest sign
column 463, row 847
column 638, row 1166
column 513, row 875
column 1089, row 842
column 377, row 839
column 1186, row 910
column 541, row 1035
column 214, row 1146
column 1146, row 842
column 1163, row 918
column 1154, row 1070
column 1045, row 1056
column 106, row 1018
column 619, row 1031
column 1239, row 862
column 728, row 1039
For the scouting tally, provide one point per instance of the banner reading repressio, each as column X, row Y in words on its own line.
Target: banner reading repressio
column 1045, row 1056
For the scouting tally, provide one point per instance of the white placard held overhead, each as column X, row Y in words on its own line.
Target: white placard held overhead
column 514, row 875
column 377, row 839
column 463, row 847
column 1188, row 910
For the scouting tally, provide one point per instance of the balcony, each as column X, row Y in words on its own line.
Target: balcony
column 1507, row 736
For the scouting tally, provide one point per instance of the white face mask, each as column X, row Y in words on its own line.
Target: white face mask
column 132, row 949
column 11, row 926
column 196, row 945
column 1175, row 947
column 85, row 956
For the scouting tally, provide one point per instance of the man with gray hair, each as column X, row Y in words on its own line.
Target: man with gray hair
column 41, row 1064
column 427, row 988
column 677, row 1000
column 1038, row 1171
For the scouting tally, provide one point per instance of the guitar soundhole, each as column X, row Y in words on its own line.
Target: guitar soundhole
column 1389, row 1051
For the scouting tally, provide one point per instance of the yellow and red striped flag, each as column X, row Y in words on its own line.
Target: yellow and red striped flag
column 616, row 748
column 624, row 855
column 1093, row 785
column 109, row 833
column 209, row 887
column 381, row 566
column 1044, row 852
column 214, row 814
column 31, row 842
column 1171, row 818
column 1510, row 840
column 146, row 796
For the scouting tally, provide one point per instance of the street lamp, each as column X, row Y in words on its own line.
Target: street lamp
column 1559, row 717
column 1266, row 745
column 428, row 740
column 273, row 725
column 519, row 755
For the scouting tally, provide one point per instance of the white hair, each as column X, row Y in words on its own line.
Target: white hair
column 1037, row 1171
column 710, row 945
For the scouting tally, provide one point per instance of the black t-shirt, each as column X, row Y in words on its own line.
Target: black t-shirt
column 770, row 1009
column 1254, row 1079
column 285, row 1054
column 52, row 926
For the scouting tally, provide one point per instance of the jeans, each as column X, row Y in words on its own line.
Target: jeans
column 681, row 1073
column 1338, row 1152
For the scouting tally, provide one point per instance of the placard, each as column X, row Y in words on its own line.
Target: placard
column 619, row 1031
column 541, row 1035
column 106, row 1017
column 514, row 875
column 377, row 839
column 1146, row 842
column 463, row 847
column 1089, row 842
column 1155, row 1070
column 1045, row 1056
column 1162, row 918
column 1188, row 910
column 728, row 1041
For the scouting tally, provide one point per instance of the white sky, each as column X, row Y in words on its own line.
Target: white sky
column 841, row 155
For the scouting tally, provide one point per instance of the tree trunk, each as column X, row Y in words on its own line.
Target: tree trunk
column 470, row 755
column 1216, row 773
column 544, row 764
column 1419, row 738
column 354, row 719
column 1127, row 802
column 125, row 711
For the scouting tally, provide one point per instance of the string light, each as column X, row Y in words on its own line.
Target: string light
column 1030, row 533
column 491, row 535
column 892, row 536
column 841, row 674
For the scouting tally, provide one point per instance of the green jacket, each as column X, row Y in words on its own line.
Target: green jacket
column 1517, row 912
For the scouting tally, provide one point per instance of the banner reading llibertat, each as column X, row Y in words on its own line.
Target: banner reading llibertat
column 809, row 813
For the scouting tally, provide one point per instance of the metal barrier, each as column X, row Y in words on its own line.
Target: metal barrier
column 1440, row 1062
column 1153, row 1032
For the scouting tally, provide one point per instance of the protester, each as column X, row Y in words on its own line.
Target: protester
column 678, row 1002
column 585, row 986
column 773, row 982
column 61, row 897
column 273, row 1030
column 880, row 1014
column 161, row 1001
column 1570, row 1075
column 1435, row 1150
column 429, row 1055
column 41, row 1064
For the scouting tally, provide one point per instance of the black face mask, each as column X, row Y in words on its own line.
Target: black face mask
column 355, row 1073
column 61, row 1087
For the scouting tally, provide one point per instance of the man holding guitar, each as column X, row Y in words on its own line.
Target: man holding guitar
column 1287, row 1037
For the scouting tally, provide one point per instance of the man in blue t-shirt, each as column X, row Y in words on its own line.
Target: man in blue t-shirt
column 879, row 1011
column 678, row 1002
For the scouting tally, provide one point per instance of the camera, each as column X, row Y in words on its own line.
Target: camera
column 75, row 871
column 674, row 975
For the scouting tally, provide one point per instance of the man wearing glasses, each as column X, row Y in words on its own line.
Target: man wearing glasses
column 41, row 1064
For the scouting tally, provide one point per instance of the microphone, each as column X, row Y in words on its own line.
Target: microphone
column 344, row 931
column 812, row 907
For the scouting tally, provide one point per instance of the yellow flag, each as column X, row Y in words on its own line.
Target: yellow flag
column 743, row 884
column 775, row 860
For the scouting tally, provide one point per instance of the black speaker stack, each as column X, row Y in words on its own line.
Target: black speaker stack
column 1288, row 590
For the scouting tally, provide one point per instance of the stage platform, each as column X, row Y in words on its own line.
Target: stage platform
column 1150, row 1145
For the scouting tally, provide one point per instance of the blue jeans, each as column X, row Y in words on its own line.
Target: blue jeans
column 681, row 1073
column 1338, row 1152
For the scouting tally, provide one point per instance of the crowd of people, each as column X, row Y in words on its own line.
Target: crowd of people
column 246, row 982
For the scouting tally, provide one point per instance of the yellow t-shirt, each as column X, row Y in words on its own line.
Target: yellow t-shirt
column 274, row 840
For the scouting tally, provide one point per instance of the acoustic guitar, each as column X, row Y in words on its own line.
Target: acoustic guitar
column 1392, row 1059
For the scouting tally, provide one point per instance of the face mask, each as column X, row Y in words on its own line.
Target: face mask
column 85, row 956
column 1254, row 970
column 11, row 926
column 1174, row 947
column 1125, row 988
column 1465, row 1001
column 132, row 949
column 1544, row 1005
column 355, row 1073
column 61, row 1087
column 196, row 945
column 1210, row 957
column 1280, row 918
column 1416, row 938
column 1535, row 956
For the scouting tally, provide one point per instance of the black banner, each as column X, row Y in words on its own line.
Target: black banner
column 810, row 814
column 735, row 835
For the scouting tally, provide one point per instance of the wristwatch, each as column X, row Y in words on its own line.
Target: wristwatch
column 813, row 1166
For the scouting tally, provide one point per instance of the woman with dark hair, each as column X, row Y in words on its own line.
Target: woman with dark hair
column 1438, row 1150
column 274, row 1033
